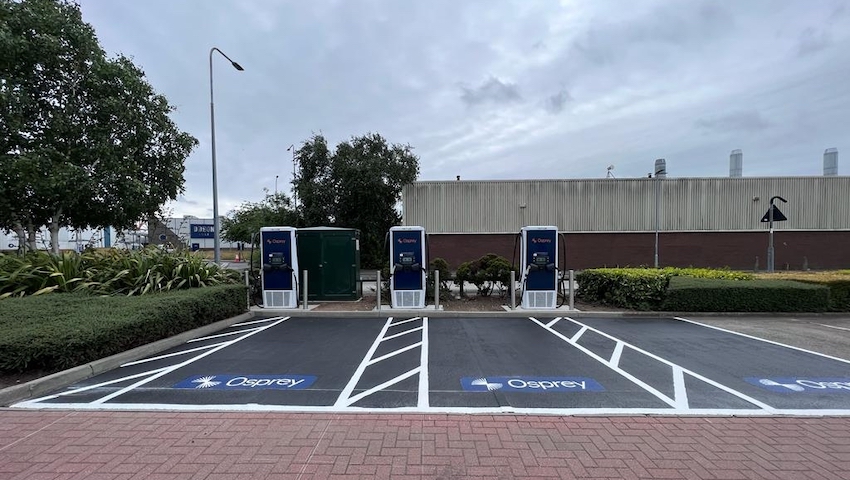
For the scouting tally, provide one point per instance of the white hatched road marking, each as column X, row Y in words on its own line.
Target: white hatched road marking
column 183, row 364
column 402, row 333
column 709, row 381
column 97, row 385
column 265, row 320
column 632, row 378
column 553, row 322
column 618, row 352
column 346, row 400
column 160, row 357
column 228, row 334
column 578, row 334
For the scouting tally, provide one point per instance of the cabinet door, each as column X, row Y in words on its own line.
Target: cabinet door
column 310, row 259
column 339, row 268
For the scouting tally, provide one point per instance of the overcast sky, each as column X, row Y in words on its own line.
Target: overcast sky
column 495, row 89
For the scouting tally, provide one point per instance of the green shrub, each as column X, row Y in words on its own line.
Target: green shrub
column 720, row 295
column 438, row 264
column 838, row 283
column 487, row 273
column 720, row 273
column 640, row 288
column 54, row 332
column 636, row 288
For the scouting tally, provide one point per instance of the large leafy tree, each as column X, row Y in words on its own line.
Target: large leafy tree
column 356, row 186
column 84, row 140
column 246, row 220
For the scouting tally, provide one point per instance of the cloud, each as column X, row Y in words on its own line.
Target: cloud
column 741, row 121
column 491, row 91
column 557, row 102
column 813, row 41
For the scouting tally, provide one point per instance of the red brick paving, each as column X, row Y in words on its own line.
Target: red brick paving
column 217, row 446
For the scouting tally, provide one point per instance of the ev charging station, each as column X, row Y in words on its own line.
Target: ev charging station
column 279, row 275
column 539, row 260
column 407, row 267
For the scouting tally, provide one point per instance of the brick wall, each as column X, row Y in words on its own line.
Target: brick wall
column 737, row 250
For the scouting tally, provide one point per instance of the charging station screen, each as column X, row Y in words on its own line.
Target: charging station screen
column 541, row 245
column 407, row 251
column 277, row 250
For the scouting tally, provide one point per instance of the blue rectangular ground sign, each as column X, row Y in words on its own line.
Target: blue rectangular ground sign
column 802, row 384
column 530, row 384
column 248, row 382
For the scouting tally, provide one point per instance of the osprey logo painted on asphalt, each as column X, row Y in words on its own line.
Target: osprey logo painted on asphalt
column 247, row 382
column 205, row 382
column 483, row 381
column 530, row 384
column 802, row 385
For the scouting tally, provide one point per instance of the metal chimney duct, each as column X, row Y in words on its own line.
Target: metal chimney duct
column 736, row 163
column 660, row 168
column 830, row 162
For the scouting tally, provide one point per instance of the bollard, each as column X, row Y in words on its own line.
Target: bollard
column 378, row 289
column 304, row 287
column 572, row 290
column 513, row 290
column 436, row 289
column 248, row 293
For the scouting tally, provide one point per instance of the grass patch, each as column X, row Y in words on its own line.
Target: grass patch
column 59, row 331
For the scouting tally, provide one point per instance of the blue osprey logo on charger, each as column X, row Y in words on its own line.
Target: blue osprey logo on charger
column 802, row 385
column 530, row 384
column 247, row 382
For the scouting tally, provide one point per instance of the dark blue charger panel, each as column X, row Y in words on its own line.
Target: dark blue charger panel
column 407, row 241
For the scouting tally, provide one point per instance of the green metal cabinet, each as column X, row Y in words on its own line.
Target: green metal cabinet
column 331, row 257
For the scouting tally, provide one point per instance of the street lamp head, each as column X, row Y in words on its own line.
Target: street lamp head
column 237, row 66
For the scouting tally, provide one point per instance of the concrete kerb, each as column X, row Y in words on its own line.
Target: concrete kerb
column 43, row 385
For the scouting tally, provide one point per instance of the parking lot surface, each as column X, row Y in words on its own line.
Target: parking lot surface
column 543, row 365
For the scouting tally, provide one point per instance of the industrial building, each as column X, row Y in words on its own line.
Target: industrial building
column 702, row 222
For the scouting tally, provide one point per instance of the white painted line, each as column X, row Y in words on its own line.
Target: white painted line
column 389, row 383
column 402, row 333
column 618, row 352
column 183, row 364
column 423, row 401
column 578, row 334
column 342, row 400
column 833, row 326
column 172, row 354
column 97, row 385
column 763, row 340
column 719, row 412
column 689, row 372
column 228, row 334
column 392, row 354
column 405, row 321
column 679, row 392
column 265, row 320
column 553, row 322
column 632, row 378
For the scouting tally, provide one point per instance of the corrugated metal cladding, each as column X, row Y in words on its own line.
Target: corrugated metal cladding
column 627, row 205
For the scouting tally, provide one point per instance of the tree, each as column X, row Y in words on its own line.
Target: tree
column 358, row 186
column 246, row 220
column 84, row 140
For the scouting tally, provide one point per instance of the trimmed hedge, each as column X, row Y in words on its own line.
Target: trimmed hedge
column 54, row 332
column 640, row 288
column 838, row 283
column 718, row 295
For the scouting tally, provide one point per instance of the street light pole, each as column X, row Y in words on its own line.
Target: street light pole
column 275, row 185
column 771, row 253
column 660, row 172
column 216, row 240
column 294, row 190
